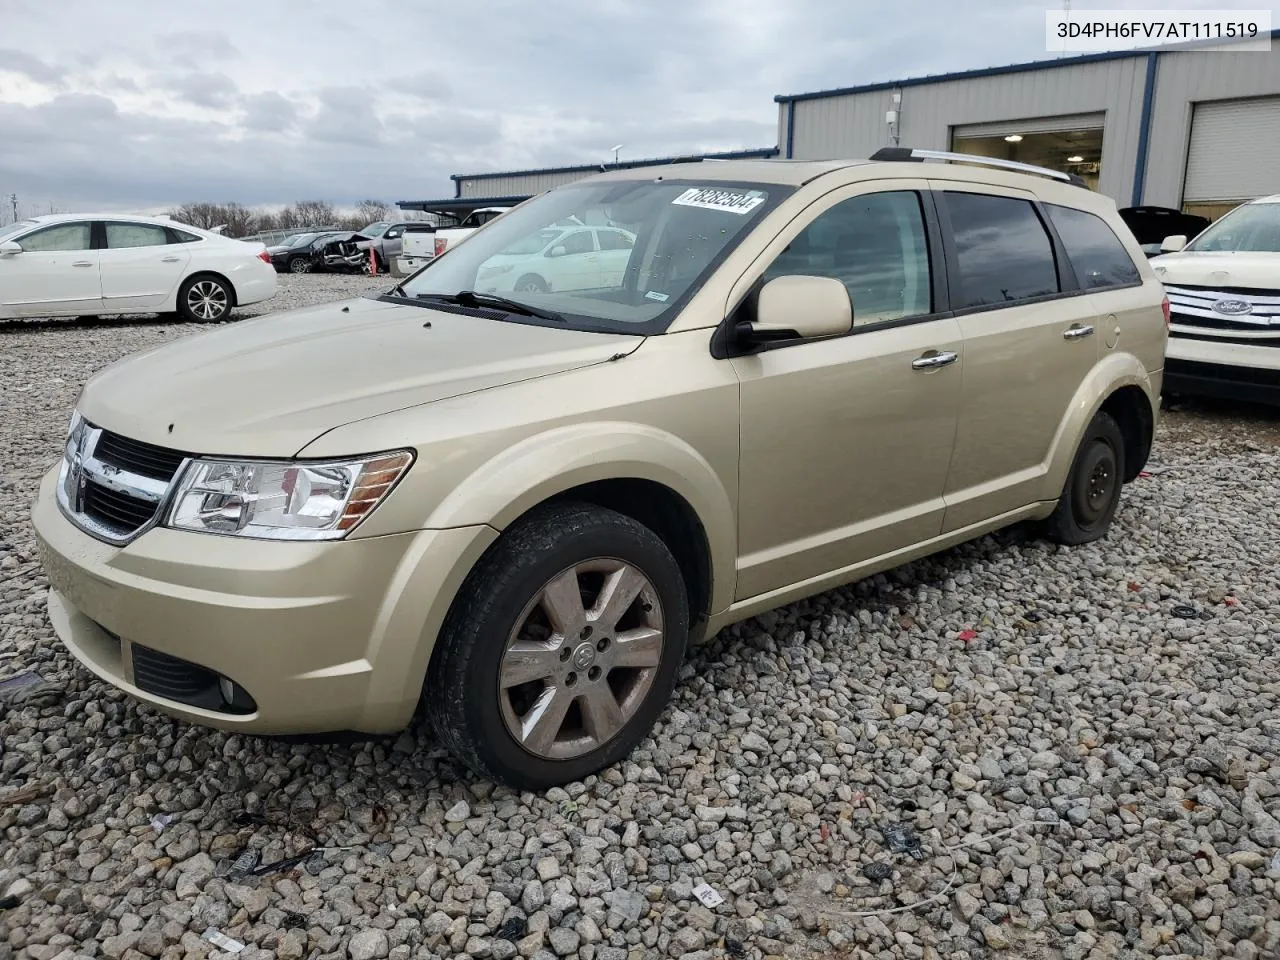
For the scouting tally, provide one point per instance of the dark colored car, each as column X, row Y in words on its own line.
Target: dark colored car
column 1150, row 225
column 340, row 250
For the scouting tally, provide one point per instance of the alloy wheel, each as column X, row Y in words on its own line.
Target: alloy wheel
column 581, row 659
column 207, row 300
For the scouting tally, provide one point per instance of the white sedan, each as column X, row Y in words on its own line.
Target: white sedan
column 559, row 258
column 91, row 264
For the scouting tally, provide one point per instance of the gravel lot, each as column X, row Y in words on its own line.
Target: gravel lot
column 1085, row 742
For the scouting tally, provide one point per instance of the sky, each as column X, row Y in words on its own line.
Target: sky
column 143, row 104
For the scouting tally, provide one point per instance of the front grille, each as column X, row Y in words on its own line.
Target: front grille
column 118, row 512
column 146, row 459
column 1194, row 306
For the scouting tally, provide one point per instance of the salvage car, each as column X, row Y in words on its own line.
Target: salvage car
column 85, row 265
column 1224, row 292
column 518, row 510
column 583, row 258
column 342, row 251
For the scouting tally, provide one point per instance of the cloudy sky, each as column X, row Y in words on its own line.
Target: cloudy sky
column 146, row 103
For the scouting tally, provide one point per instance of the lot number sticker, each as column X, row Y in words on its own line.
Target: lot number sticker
column 710, row 198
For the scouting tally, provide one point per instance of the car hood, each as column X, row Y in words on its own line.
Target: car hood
column 1219, row 269
column 267, row 387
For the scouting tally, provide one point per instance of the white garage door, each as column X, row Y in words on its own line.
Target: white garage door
column 1234, row 146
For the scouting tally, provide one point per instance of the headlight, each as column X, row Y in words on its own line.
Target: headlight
column 283, row 500
column 74, row 426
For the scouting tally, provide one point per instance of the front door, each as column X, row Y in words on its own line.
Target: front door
column 615, row 254
column 572, row 262
column 845, row 442
column 1027, row 349
column 56, row 274
column 141, row 270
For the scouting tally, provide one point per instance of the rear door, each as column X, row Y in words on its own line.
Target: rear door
column 1030, row 338
column 141, row 269
column 572, row 263
column 615, row 254
column 56, row 274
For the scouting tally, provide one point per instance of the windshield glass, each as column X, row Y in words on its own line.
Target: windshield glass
column 1251, row 228
column 376, row 229
column 674, row 232
column 16, row 228
column 299, row 239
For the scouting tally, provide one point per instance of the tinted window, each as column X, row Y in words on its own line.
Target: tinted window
column 614, row 240
column 66, row 236
column 181, row 236
column 1003, row 251
column 577, row 242
column 1095, row 252
column 121, row 235
column 394, row 232
column 875, row 245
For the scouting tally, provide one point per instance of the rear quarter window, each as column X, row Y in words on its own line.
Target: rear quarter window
column 1097, row 255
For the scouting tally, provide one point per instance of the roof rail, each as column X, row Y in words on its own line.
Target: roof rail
column 912, row 154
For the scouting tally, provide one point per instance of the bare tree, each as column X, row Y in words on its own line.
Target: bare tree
column 313, row 213
column 370, row 211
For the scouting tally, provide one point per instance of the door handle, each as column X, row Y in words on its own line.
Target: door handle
column 170, row 259
column 82, row 263
column 934, row 359
column 1077, row 331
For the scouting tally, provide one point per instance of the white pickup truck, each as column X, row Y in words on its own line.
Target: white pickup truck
column 423, row 242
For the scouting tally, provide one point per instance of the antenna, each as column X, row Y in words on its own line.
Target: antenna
column 1066, row 11
column 614, row 150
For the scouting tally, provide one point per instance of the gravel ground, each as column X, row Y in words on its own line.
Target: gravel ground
column 1085, row 743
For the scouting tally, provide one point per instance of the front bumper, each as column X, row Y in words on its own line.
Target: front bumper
column 322, row 636
column 1236, row 371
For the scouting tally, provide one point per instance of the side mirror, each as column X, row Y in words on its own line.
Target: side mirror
column 1173, row 244
column 790, row 308
column 557, row 251
column 9, row 247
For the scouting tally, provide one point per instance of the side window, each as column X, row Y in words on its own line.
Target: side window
column 120, row 235
column 64, row 237
column 1096, row 253
column 614, row 240
column 181, row 236
column 1003, row 250
column 876, row 246
column 578, row 242
column 394, row 232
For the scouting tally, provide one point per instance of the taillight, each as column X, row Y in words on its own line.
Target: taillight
column 1164, row 306
column 265, row 257
column 441, row 243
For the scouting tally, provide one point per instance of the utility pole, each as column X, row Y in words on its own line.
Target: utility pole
column 13, row 199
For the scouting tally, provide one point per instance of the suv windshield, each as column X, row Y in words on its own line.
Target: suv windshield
column 376, row 229
column 1250, row 228
column 682, row 230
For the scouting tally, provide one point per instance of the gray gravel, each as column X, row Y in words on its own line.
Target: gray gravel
column 1093, row 772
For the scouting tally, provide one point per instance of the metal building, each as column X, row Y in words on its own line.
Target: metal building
column 472, row 191
column 1178, row 127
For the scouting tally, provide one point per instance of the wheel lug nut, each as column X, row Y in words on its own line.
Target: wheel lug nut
column 564, row 654
column 602, row 644
column 571, row 679
column 593, row 673
column 586, row 631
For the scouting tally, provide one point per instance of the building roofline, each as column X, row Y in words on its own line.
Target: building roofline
column 1000, row 71
column 752, row 154
column 460, row 203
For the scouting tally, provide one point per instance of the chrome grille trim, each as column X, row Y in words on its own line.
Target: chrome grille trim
column 1193, row 303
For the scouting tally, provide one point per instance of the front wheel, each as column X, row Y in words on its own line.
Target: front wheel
column 1088, row 503
column 299, row 265
column 561, row 649
column 204, row 299
column 531, row 283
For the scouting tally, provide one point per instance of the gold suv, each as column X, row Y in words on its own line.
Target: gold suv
column 629, row 412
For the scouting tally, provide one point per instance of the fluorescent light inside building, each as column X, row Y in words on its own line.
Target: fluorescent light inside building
column 1076, row 159
column 1014, row 137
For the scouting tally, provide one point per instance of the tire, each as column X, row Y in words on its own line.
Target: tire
column 1089, row 500
column 531, row 283
column 482, row 696
column 205, row 298
column 299, row 265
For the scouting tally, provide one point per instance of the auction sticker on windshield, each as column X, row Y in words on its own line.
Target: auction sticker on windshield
column 711, row 198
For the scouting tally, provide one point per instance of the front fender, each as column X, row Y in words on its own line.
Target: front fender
column 550, row 463
column 1112, row 373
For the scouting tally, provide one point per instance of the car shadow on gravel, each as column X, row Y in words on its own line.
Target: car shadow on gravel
column 42, row 324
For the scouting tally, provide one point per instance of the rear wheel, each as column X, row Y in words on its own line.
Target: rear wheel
column 204, row 299
column 1088, row 503
column 561, row 650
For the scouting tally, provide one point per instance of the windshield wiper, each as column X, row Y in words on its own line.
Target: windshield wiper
column 470, row 298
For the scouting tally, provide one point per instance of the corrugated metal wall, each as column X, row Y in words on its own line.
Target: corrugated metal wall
column 519, row 185
column 854, row 125
column 1184, row 79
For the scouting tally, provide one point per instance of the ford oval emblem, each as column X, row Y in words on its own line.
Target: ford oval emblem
column 1232, row 308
